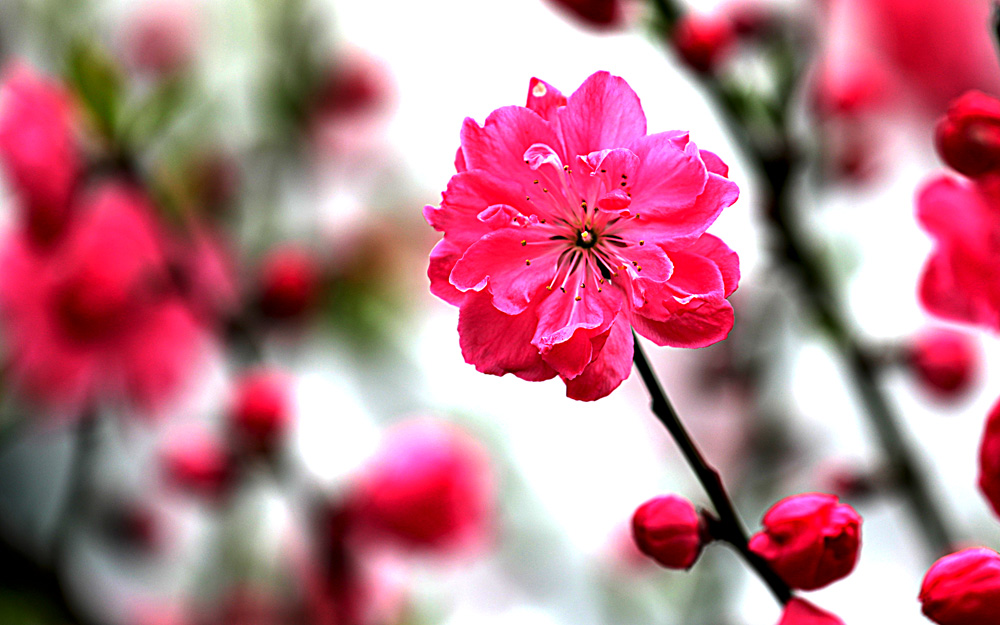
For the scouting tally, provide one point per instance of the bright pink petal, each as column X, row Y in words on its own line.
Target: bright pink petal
column 467, row 196
column 514, row 262
column 499, row 146
column 685, row 224
column 950, row 208
column 606, row 372
column 670, row 177
column 714, row 164
column 544, row 99
column 498, row 343
column 698, row 323
column 725, row 259
column 566, row 327
column 603, row 113
column 443, row 259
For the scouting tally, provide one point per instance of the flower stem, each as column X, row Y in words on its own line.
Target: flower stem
column 729, row 524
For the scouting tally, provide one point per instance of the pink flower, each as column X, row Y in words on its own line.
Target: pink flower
column 598, row 14
column 703, row 40
column 567, row 225
column 989, row 459
column 959, row 280
column 38, row 149
column 801, row 612
column 194, row 460
column 963, row 588
column 809, row 540
column 669, row 530
column 289, row 283
column 262, row 409
column 96, row 317
column 914, row 47
column 430, row 487
column 945, row 362
column 968, row 137
column 162, row 36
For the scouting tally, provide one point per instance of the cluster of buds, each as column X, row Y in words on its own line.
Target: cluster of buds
column 809, row 540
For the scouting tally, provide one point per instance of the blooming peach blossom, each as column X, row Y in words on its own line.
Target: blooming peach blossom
column 97, row 317
column 38, row 150
column 567, row 225
column 430, row 487
column 959, row 281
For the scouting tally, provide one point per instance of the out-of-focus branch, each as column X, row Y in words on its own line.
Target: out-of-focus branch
column 774, row 158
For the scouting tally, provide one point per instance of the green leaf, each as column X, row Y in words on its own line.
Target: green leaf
column 99, row 83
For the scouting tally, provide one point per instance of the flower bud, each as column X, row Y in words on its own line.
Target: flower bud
column 289, row 283
column 38, row 149
column 262, row 409
column 599, row 14
column 703, row 40
column 989, row 459
column 963, row 588
column 669, row 530
column 945, row 362
column 195, row 461
column 801, row 612
column 429, row 487
column 968, row 137
column 810, row 540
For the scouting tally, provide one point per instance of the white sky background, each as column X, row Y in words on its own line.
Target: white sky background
column 592, row 463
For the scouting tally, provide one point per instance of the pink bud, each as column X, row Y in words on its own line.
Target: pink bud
column 810, row 540
column 989, row 459
column 968, row 137
column 430, row 486
column 702, row 41
column 801, row 612
column 963, row 588
column 38, row 148
column 598, row 14
column 162, row 36
column 262, row 409
column 289, row 283
column 669, row 530
column 195, row 460
column 945, row 362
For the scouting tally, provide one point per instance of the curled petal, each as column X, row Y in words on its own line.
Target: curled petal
column 585, row 123
column 609, row 369
column 443, row 259
column 670, row 177
column 499, row 146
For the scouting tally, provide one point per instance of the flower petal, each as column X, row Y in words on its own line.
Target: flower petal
column 684, row 224
column 443, row 259
column 515, row 262
column 612, row 365
column 499, row 146
column 698, row 323
column 671, row 175
column 544, row 99
column 603, row 113
column 498, row 343
column 712, row 248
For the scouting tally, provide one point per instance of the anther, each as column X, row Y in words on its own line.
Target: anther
column 527, row 261
column 578, row 298
column 534, row 182
column 524, row 242
column 623, row 184
column 641, row 242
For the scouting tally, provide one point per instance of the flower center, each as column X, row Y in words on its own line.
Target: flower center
column 586, row 239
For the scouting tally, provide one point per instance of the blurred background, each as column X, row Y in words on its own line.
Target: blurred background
column 229, row 398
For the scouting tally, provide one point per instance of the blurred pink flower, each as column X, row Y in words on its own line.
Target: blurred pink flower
column 968, row 137
column 196, row 461
column 97, row 317
column 566, row 225
column 289, row 283
column 703, row 40
column 430, row 487
column 598, row 14
column 801, row 612
column 928, row 52
column 261, row 411
column 959, row 281
column 38, row 148
column 989, row 459
column 161, row 36
column 944, row 361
